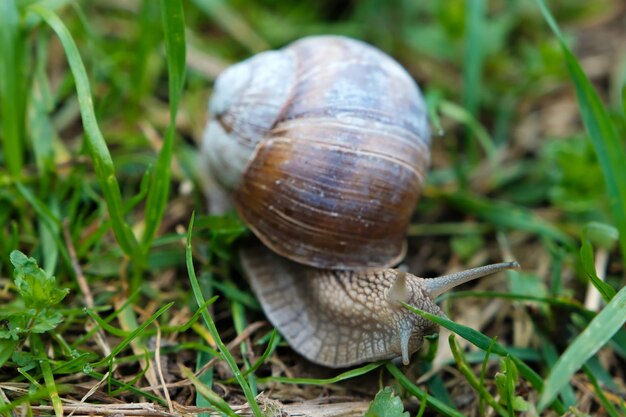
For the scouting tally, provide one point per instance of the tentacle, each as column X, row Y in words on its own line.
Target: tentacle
column 439, row 285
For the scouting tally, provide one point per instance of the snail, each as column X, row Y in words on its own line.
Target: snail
column 322, row 148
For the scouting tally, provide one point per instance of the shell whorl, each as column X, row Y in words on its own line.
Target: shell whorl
column 247, row 101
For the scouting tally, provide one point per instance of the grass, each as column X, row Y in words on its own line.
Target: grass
column 102, row 107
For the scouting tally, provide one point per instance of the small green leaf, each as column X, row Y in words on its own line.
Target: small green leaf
column 386, row 404
column 24, row 360
column 7, row 347
column 14, row 326
column 500, row 380
column 586, row 257
column 46, row 320
column 520, row 404
column 38, row 289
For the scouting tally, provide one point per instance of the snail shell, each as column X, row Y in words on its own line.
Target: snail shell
column 322, row 147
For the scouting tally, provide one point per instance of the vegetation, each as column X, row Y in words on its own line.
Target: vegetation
column 102, row 107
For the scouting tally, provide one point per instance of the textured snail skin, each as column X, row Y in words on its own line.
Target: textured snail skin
column 323, row 147
column 342, row 318
column 339, row 318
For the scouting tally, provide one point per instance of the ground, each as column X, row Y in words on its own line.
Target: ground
column 99, row 189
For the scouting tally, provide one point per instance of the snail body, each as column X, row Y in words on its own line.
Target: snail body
column 339, row 317
column 322, row 147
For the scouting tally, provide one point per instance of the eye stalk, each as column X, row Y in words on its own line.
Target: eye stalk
column 439, row 285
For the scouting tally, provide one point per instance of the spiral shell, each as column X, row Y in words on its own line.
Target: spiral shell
column 324, row 146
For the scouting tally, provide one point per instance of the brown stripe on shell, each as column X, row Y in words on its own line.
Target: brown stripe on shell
column 341, row 198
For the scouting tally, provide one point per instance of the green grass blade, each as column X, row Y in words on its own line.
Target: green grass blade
column 602, row 132
column 468, row 373
column 441, row 407
column 594, row 337
column 204, row 356
column 208, row 393
column 233, row 23
column 587, row 261
column 480, row 340
column 474, row 54
column 2, row 405
column 124, row 386
column 272, row 344
column 352, row 373
column 46, row 371
column 624, row 100
column 507, row 215
column 42, row 210
column 462, row 115
column 423, row 403
column 239, row 320
column 550, row 355
column 103, row 164
column 235, row 294
column 106, row 326
column 483, row 372
column 30, row 398
column 139, row 330
column 40, row 127
column 608, row 406
column 184, row 327
column 148, row 39
column 13, row 86
column 208, row 320
column 433, row 99
column 206, row 379
column 174, row 29
column 47, row 218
